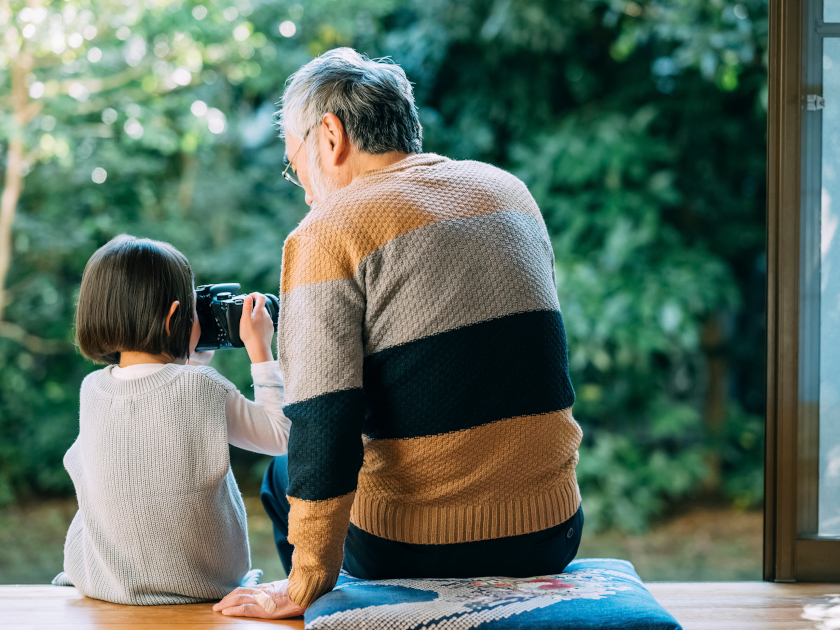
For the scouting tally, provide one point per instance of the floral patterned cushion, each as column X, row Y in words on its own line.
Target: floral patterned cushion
column 591, row 593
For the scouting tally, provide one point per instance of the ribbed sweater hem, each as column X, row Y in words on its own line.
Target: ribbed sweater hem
column 433, row 525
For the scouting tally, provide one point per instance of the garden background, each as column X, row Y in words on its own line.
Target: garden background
column 639, row 126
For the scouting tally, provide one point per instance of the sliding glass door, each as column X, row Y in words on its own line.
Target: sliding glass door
column 825, row 278
column 803, row 429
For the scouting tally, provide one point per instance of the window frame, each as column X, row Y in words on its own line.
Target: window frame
column 791, row 553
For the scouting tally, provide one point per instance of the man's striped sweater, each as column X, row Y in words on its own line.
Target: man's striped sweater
column 425, row 364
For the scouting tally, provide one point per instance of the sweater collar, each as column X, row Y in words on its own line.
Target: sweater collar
column 368, row 177
column 412, row 161
column 108, row 384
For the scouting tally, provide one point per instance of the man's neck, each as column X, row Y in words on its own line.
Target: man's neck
column 364, row 162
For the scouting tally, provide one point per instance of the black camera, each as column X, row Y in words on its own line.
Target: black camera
column 219, row 311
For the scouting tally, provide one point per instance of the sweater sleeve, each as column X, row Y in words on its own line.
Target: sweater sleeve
column 321, row 353
column 259, row 425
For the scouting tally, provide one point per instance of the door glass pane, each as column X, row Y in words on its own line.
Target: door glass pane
column 829, row 422
column 831, row 11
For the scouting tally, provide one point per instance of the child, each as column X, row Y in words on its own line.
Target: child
column 160, row 518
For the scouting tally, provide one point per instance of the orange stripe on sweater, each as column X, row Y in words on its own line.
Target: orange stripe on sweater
column 334, row 238
column 419, row 490
column 305, row 262
column 317, row 530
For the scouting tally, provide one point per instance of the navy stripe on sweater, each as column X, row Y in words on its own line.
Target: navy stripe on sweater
column 515, row 365
column 325, row 451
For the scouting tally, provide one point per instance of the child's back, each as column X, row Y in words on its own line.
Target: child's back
column 161, row 519
column 151, row 464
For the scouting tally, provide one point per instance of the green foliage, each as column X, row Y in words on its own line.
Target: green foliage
column 639, row 128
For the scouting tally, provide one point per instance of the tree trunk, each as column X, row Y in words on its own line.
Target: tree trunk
column 714, row 346
column 8, row 203
column 189, row 169
column 13, row 185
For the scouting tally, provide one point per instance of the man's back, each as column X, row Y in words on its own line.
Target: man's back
column 419, row 310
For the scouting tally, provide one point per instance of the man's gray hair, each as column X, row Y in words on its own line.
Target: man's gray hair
column 372, row 99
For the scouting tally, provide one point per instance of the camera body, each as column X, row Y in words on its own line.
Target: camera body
column 219, row 310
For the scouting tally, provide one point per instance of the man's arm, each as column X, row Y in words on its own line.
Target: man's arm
column 321, row 353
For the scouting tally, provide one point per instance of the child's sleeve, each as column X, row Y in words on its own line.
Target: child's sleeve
column 259, row 426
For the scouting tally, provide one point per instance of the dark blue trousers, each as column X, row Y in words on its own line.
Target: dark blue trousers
column 373, row 558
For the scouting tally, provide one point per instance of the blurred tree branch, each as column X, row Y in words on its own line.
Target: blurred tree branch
column 31, row 342
column 106, row 83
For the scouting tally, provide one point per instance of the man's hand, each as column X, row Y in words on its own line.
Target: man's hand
column 256, row 328
column 265, row 601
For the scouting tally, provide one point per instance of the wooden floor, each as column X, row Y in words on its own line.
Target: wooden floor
column 54, row 607
column 750, row 605
column 698, row 606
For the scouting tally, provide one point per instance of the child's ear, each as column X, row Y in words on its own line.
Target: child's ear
column 172, row 310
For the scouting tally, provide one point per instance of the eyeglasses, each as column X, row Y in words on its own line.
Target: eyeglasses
column 290, row 175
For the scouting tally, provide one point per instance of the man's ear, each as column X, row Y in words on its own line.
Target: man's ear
column 336, row 140
column 172, row 310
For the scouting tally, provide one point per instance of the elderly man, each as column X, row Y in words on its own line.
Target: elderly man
column 423, row 352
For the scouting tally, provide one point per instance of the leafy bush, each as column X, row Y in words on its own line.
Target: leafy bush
column 638, row 126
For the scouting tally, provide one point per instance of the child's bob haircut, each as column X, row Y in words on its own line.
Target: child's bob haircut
column 128, row 286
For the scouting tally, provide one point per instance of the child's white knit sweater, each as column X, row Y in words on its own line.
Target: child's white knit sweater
column 161, row 519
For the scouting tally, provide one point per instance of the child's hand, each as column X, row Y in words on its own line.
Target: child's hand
column 256, row 328
column 201, row 358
